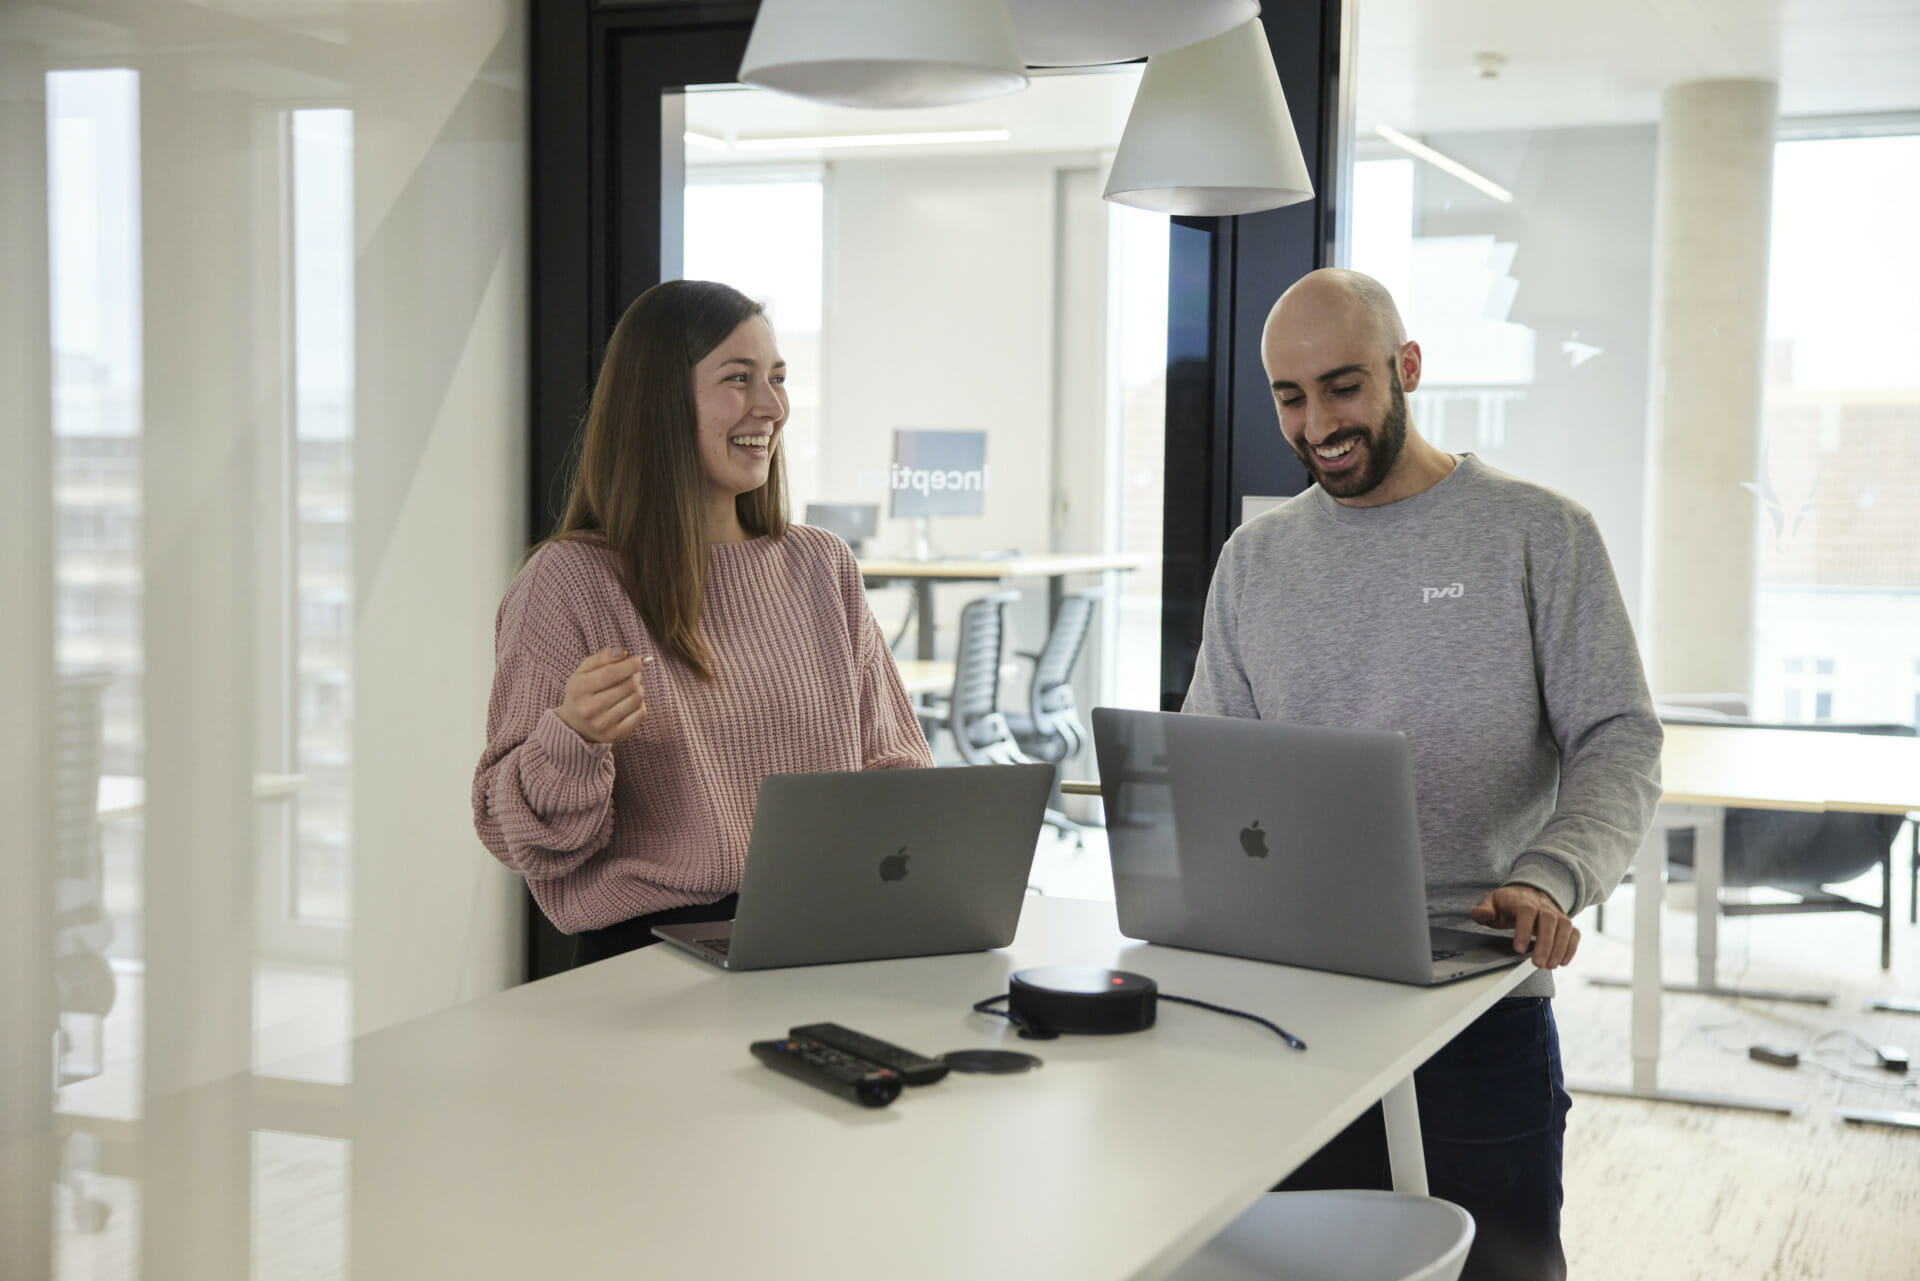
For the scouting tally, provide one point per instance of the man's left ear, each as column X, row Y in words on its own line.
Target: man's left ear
column 1409, row 360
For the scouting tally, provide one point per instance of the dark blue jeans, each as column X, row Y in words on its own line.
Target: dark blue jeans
column 1493, row 1114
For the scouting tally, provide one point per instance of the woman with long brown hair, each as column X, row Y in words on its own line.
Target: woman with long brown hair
column 676, row 640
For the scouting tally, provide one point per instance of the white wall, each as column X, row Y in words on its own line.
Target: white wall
column 944, row 298
column 938, row 313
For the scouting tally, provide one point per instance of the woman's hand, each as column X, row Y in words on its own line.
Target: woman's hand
column 605, row 701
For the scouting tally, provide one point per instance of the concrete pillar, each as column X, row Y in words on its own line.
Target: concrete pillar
column 27, row 1153
column 1714, row 211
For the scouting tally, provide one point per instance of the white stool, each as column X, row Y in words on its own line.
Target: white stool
column 1338, row 1236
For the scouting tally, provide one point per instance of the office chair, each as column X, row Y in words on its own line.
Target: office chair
column 83, row 980
column 1050, row 730
column 1796, row 853
column 82, row 929
column 980, row 730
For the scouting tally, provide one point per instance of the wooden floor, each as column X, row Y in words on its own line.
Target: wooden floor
column 1665, row 1192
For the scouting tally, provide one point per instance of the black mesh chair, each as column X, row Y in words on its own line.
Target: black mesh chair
column 1797, row 853
column 980, row 730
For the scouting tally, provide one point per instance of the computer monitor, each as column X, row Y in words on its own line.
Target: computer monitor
column 938, row 473
column 854, row 522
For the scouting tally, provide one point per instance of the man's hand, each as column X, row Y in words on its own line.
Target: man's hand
column 605, row 701
column 1533, row 916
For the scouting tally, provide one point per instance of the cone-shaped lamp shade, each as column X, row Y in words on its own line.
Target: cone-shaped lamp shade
column 1209, row 133
column 884, row 53
column 1080, row 33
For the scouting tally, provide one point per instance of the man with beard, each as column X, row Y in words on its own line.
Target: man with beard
column 1413, row 590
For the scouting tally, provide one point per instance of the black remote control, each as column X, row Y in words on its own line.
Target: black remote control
column 805, row 1059
column 914, row 1069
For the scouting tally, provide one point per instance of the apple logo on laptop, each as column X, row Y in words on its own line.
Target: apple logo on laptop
column 1253, row 840
column 894, row 866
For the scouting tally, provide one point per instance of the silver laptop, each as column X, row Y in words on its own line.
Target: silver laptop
column 1278, row 842
column 879, row 864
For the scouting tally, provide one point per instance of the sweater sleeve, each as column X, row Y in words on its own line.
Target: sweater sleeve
column 1220, row 686
column 1601, row 716
column 542, row 795
column 890, row 736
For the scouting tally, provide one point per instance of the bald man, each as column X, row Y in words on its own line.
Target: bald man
column 1416, row 590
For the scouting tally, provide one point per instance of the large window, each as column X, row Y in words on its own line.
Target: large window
column 1513, row 199
column 1838, row 619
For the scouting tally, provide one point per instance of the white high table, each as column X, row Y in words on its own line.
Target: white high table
column 610, row 1122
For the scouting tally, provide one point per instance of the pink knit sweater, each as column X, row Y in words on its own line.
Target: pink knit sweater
column 603, row 833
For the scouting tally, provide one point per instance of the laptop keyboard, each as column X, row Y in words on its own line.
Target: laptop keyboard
column 719, row 945
column 1442, row 955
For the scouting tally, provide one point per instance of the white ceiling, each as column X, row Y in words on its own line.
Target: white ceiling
column 1607, row 62
column 1567, row 62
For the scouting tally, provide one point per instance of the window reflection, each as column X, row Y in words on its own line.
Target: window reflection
column 94, row 296
column 321, row 890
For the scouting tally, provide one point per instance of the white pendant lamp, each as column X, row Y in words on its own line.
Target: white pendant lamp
column 1209, row 133
column 884, row 53
column 1081, row 33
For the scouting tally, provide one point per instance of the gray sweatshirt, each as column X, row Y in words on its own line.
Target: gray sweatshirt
column 1480, row 617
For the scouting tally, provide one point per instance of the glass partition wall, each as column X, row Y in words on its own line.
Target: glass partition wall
column 956, row 270
column 262, row 351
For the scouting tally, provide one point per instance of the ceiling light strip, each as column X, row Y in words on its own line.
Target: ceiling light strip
column 1421, row 150
column 930, row 138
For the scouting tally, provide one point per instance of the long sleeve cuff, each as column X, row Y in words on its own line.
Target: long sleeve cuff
column 1548, row 875
column 569, row 753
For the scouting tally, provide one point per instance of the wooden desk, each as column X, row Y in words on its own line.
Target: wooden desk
column 609, row 1122
column 922, row 575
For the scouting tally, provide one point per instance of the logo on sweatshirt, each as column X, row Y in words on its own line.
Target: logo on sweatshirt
column 1454, row 590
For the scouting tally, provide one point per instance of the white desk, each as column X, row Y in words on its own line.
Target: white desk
column 609, row 1122
column 925, row 676
column 922, row 575
column 1705, row 770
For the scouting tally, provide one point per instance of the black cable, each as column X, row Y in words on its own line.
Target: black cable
column 1292, row 1040
column 1039, row 1032
column 1819, row 1044
column 1028, row 1031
